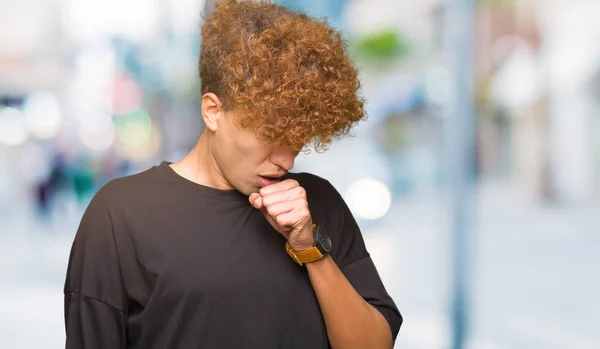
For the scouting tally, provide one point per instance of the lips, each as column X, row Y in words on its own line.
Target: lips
column 266, row 180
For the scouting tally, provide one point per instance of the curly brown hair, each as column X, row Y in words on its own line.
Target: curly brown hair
column 289, row 72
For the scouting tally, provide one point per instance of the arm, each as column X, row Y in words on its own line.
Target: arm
column 351, row 321
column 92, row 324
column 95, row 316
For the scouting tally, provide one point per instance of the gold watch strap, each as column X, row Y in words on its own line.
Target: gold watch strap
column 305, row 256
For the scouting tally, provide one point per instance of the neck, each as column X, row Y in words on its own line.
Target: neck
column 199, row 166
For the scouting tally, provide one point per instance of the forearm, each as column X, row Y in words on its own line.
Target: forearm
column 351, row 322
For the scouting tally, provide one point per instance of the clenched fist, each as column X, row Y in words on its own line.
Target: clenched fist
column 285, row 207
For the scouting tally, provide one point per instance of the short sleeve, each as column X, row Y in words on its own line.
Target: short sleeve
column 95, row 314
column 350, row 253
column 365, row 279
column 92, row 324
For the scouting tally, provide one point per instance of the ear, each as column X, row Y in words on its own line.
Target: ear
column 211, row 108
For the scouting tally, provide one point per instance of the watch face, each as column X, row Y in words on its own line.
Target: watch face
column 323, row 239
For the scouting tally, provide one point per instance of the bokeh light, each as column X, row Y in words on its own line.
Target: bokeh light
column 43, row 114
column 13, row 129
column 137, row 138
column 133, row 128
column 143, row 150
column 369, row 198
column 127, row 95
column 100, row 137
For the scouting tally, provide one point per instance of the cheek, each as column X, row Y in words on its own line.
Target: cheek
column 251, row 159
column 238, row 160
column 251, row 151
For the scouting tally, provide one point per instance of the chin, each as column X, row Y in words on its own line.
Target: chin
column 246, row 192
column 248, row 189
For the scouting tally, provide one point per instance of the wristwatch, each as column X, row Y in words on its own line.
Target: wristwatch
column 321, row 247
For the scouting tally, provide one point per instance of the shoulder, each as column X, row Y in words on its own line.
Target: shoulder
column 321, row 194
column 126, row 189
column 313, row 183
column 114, row 202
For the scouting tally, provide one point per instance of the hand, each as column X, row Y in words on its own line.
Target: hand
column 285, row 207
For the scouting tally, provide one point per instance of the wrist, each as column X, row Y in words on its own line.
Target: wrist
column 303, row 240
column 307, row 252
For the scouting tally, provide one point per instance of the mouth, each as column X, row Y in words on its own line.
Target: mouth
column 268, row 180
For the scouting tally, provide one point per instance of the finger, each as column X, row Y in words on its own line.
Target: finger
column 282, row 207
column 271, row 220
column 292, row 219
column 280, row 186
column 256, row 200
column 287, row 195
column 252, row 197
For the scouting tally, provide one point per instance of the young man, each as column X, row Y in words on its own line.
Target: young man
column 226, row 248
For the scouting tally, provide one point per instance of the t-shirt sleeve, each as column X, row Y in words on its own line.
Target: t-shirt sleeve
column 95, row 314
column 365, row 279
column 93, row 324
column 351, row 255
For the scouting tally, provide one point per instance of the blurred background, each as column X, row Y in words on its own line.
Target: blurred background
column 476, row 179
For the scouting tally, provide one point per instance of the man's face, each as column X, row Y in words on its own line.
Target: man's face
column 245, row 162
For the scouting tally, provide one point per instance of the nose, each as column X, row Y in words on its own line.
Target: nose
column 284, row 157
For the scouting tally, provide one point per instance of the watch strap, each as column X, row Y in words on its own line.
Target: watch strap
column 305, row 256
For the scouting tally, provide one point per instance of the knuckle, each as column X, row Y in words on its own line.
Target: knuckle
column 268, row 200
column 306, row 212
column 301, row 204
column 271, row 210
column 302, row 200
column 280, row 220
column 302, row 211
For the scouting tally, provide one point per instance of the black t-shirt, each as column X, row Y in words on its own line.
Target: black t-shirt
column 159, row 261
